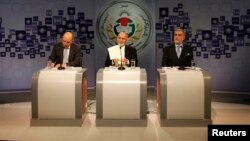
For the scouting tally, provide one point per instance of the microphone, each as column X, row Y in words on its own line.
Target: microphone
column 121, row 67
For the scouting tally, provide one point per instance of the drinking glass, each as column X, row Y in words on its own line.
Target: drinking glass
column 192, row 65
column 49, row 64
column 132, row 63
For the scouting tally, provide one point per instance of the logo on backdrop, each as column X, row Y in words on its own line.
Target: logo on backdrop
column 125, row 16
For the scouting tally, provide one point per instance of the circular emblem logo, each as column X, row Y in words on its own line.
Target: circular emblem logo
column 125, row 16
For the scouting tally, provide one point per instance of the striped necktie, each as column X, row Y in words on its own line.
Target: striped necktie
column 178, row 51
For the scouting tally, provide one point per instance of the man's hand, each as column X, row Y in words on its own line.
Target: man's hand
column 124, row 61
column 118, row 61
column 115, row 61
column 58, row 65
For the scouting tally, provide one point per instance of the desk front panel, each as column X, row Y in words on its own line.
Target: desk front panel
column 57, row 94
column 185, row 89
column 121, row 94
column 183, row 94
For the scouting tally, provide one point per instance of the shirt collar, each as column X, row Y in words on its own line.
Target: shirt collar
column 180, row 45
column 67, row 47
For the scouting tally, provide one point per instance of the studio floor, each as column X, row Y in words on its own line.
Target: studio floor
column 15, row 123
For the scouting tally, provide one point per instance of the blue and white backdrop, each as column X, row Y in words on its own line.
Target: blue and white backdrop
column 219, row 31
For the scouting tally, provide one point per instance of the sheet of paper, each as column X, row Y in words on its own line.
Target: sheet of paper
column 114, row 52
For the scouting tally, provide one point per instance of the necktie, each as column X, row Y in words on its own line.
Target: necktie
column 65, row 55
column 178, row 51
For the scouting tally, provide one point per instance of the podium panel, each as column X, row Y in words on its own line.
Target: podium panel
column 121, row 97
column 58, row 97
column 123, row 89
column 185, row 88
column 184, row 97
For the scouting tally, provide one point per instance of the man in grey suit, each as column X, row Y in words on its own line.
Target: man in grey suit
column 66, row 52
column 177, row 54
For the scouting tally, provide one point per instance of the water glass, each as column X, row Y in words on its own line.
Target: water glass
column 49, row 64
column 132, row 63
column 192, row 65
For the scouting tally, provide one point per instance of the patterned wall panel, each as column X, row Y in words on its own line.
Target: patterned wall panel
column 39, row 35
column 222, row 40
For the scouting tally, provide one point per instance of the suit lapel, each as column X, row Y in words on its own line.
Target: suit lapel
column 183, row 52
column 70, row 52
column 173, row 51
column 126, row 52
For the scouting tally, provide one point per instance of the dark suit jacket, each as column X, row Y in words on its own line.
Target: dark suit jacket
column 74, row 55
column 170, row 57
column 130, row 53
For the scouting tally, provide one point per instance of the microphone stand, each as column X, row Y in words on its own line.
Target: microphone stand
column 61, row 67
column 121, row 67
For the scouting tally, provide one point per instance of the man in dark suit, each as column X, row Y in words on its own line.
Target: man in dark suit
column 66, row 52
column 115, row 53
column 177, row 54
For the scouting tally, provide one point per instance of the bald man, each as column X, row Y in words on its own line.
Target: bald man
column 66, row 52
column 126, row 52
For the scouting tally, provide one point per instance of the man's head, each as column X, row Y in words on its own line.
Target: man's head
column 67, row 39
column 179, row 36
column 122, row 38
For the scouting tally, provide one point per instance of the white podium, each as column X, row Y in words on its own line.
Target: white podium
column 184, row 97
column 121, row 97
column 58, row 97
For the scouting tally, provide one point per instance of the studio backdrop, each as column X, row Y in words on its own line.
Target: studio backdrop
column 218, row 31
